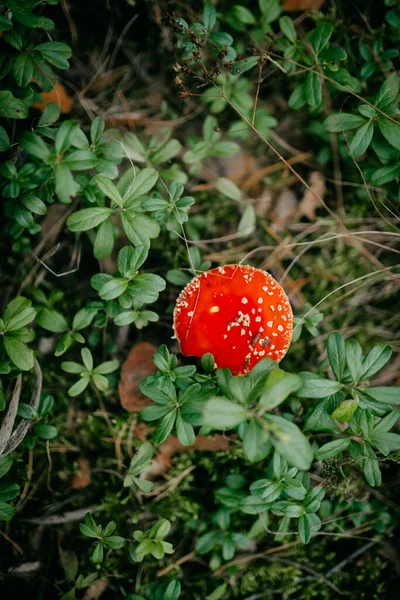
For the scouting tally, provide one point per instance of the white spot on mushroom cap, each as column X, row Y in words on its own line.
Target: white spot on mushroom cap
column 260, row 300
column 270, row 323
column 244, row 301
column 214, row 309
column 280, row 328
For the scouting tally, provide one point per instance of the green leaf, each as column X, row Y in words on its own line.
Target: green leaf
column 313, row 89
column 19, row 354
column 241, row 66
column 388, row 93
column 114, row 542
column 288, row 29
column 391, row 395
column 304, row 529
column 386, row 174
column 290, row 442
column 19, row 318
column 386, row 442
column 8, row 491
column 4, row 140
column 34, row 145
column 387, row 422
column 83, row 318
column 229, row 189
column 173, row 590
column 5, row 465
column 104, row 240
column 209, row 16
column 66, row 186
column 109, row 189
column 332, row 449
column 315, row 386
column 375, row 360
column 72, row 367
column 220, row 413
column 34, row 204
column 55, row 53
column 65, row 136
column 50, row 115
column 141, row 184
column 255, row 444
column 278, row 387
column 11, row 107
column 154, row 412
column 23, row 69
column 96, row 129
column 52, row 320
column 113, row 288
column 107, row 367
column 6, row 511
column 88, row 218
column 362, row 139
column 165, row 426
column 332, row 55
column 139, row 228
column 343, row 122
column 221, row 38
column 321, row 35
column 167, row 152
column 98, row 554
column 354, row 359
column 336, row 355
column 391, row 131
column 79, row 386
column 87, row 358
column 345, row 410
column 184, row 431
column 45, row 432
column 80, row 160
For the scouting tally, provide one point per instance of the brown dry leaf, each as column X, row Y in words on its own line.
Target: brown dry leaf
column 96, row 589
column 137, row 367
column 285, row 208
column 162, row 463
column 310, row 202
column 59, row 96
column 82, row 479
column 293, row 5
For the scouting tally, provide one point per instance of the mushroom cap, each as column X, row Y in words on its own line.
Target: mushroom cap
column 238, row 313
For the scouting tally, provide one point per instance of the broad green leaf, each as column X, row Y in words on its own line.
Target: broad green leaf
column 247, row 223
column 56, row 53
column 165, row 426
column 315, row 386
column 155, row 411
column 387, row 422
column 332, row 449
column 66, row 186
column 241, row 66
column 6, row 511
column 141, row 184
column 65, row 136
column 391, row 131
column 52, row 320
column 220, row 413
column 228, row 189
column 362, row 139
column 50, row 115
column 4, row 140
column 184, row 431
column 345, row 410
column 321, row 35
column 109, row 189
column 45, row 432
column 255, row 444
column 113, row 288
column 304, row 529
column 313, row 89
column 107, row 367
column 98, row 554
column 354, row 359
column 388, row 93
column 209, row 16
column 391, row 395
column 79, row 386
column 23, row 69
column 386, row 174
column 96, row 129
column 337, row 355
column 19, row 354
column 287, row 28
column 11, row 107
column 278, row 387
column 5, row 465
column 35, row 146
column 80, row 160
column 290, row 442
column 375, row 360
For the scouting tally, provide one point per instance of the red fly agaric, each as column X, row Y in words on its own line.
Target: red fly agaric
column 238, row 313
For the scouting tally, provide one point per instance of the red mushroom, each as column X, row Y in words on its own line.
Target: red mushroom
column 238, row 313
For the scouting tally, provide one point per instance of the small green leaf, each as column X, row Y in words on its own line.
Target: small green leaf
column 220, row 413
column 290, row 442
column 390, row 131
column 375, row 360
column 79, row 386
column 315, row 386
column 313, row 89
column 45, row 432
column 184, row 431
column 321, row 35
column 332, row 449
column 354, row 359
column 52, row 320
column 278, row 387
column 113, row 288
column 336, row 355
column 209, row 16
column 288, row 29
column 391, row 395
column 50, row 115
column 345, row 410
column 98, row 553
column 343, row 122
column 19, row 354
column 362, row 139
column 109, row 189
column 165, row 426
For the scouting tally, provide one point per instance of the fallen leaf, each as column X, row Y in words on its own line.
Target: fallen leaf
column 59, row 96
column 96, row 589
column 162, row 463
column 285, row 208
column 310, row 201
column 82, row 479
column 137, row 367
column 293, row 5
